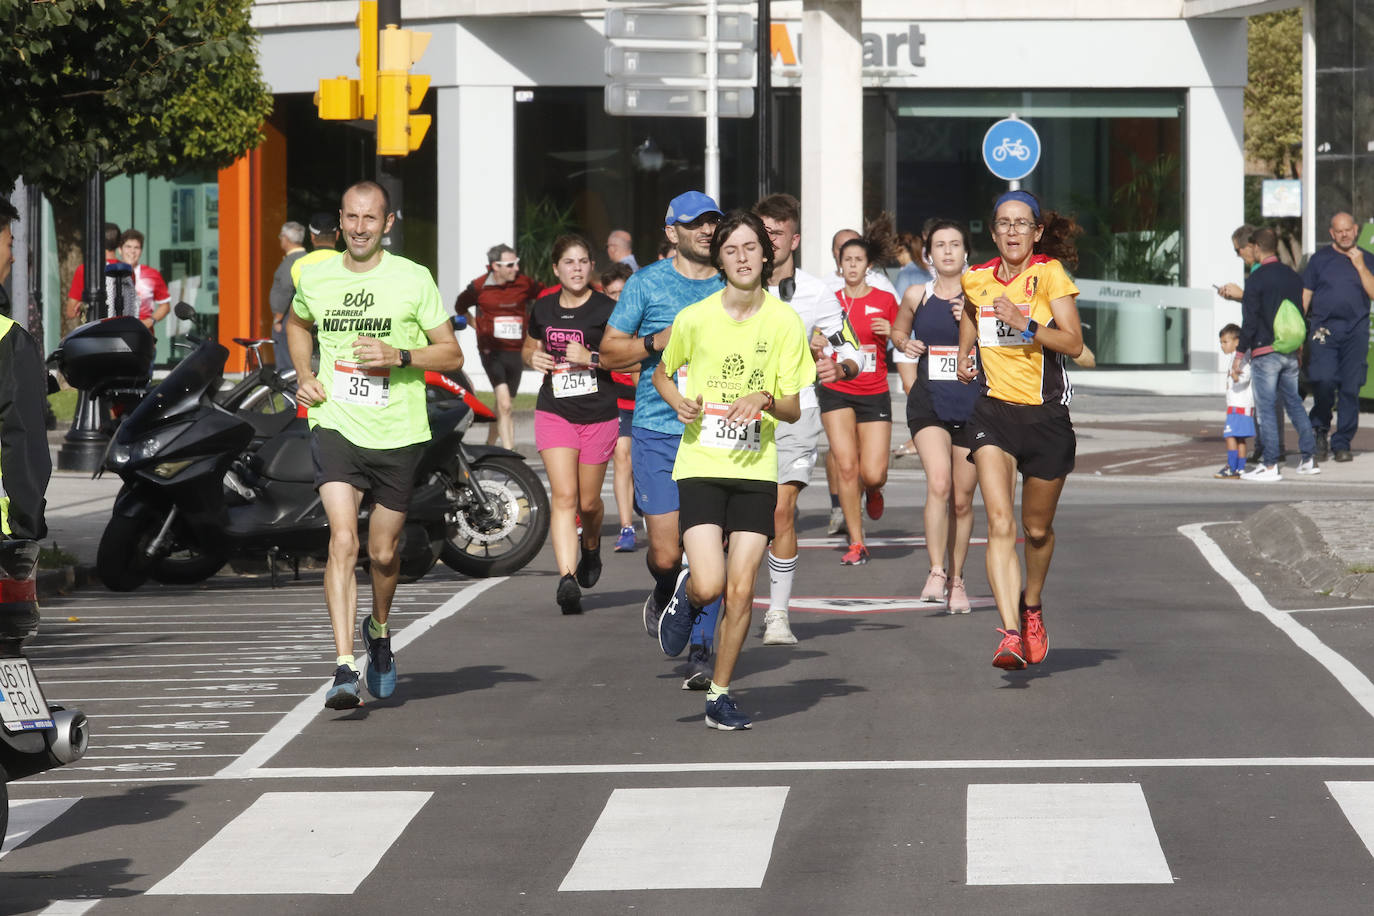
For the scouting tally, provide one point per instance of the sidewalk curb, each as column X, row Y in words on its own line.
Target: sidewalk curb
column 1286, row 536
column 53, row 583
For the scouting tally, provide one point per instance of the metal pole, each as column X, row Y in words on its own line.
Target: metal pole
column 34, row 218
column 764, row 84
column 83, row 448
column 1309, row 126
column 712, row 102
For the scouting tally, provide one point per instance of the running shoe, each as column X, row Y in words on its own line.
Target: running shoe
column 934, row 591
column 651, row 614
column 626, row 542
column 1308, row 466
column 958, row 596
column 873, row 502
column 1011, row 655
column 837, row 525
column 1227, row 473
column 857, row 555
column 577, row 520
column 698, row 673
column 569, row 596
column 588, row 567
column 722, row 713
column 1262, row 473
column 1033, row 635
column 344, row 693
column 675, row 623
column 776, row 629
column 381, row 664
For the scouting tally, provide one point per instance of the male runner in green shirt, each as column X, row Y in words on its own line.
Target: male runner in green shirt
column 381, row 324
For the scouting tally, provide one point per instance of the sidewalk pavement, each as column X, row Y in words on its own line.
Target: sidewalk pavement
column 1336, row 548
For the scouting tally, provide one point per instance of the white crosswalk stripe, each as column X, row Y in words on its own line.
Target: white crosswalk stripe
column 1357, row 804
column 28, row 816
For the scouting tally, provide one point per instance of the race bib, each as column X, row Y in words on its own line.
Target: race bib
column 354, row 384
column 572, row 383
column 682, row 380
column 869, row 361
column 943, row 365
column 718, row 432
column 507, row 327
column 992, row 332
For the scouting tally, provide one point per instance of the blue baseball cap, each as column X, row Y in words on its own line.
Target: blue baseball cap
column 688, row 206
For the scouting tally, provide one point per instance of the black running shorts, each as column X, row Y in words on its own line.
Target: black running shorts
column 1039, row 436
column 503, row 367
column 868, row 408
column 388, row 474
column 734, row 505
column 920, row 413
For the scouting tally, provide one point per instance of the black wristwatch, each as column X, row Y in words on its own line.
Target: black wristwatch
column 648, row 340
column 845, row 371
column 405, row 357
column 595, row 359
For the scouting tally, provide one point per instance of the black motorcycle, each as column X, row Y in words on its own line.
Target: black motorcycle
column 204, row 486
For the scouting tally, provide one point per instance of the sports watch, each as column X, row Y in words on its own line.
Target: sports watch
column 405, row 357
column 1029, row 333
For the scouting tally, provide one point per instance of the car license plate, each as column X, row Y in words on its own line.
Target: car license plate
column 22, row 706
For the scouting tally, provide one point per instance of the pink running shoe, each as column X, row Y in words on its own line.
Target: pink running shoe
column 857, row 555
column 958, row 597
column 1011, row 655
column 934, row 591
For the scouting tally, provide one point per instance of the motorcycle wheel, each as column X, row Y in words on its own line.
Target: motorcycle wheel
column 418, row 555
column 121, row 560
column 513, row 536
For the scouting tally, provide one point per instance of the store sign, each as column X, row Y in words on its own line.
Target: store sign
column 889, row 49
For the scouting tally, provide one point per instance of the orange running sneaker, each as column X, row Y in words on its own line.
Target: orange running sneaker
column 857, row 555
column 1033, row 634
column 1011, row 655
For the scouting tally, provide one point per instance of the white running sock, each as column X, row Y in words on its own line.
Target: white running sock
column 780, row 573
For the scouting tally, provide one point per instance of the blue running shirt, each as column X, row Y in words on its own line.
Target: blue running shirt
column 650, row 301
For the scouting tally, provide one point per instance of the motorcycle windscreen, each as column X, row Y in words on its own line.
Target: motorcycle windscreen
column 180, row 392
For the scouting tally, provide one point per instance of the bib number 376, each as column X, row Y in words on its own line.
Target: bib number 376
column 719, row 432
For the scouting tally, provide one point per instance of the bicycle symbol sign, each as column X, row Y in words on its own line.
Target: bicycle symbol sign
column 1011, row 149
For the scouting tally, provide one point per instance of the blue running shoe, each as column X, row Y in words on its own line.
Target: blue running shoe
column 381, row 665
column 626, row 542
column 344, row 693
column 722, row 713
column 675, row 623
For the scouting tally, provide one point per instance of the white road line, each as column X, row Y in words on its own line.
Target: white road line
column 1122, row 464
column 181, row 714
column 1310, row 610
column 744, row 821
column 174, row 696
column 294, row 722
column 170, row 642
column 185, row 680
column 182, row 618
column 172, row 756
column 29, row 816
column 297, row 843
column 1347, row 675
column 249, row 654
column 1062, row 833
column 236, row 665
column 1357, row 804
column 69, row 907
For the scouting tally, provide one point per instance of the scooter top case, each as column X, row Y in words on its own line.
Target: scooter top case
column 111, row 353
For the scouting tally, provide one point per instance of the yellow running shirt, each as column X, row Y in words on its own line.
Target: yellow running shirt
column 395, row 302
column 767, row 351
column 1017, row 371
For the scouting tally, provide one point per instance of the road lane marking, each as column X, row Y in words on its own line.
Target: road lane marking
column 29, row 816
column 69, row 907
column 872, row 604
column 1309, row 610
column 744, row 822
column 297, row 843
column 1351, row 679
column 1062, row 833
column 1357, row 804
column 294, row 722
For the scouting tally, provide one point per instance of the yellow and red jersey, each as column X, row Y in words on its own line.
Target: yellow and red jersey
column 1015, row 370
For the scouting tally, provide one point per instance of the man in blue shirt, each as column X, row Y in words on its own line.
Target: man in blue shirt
column 637, row 333
column 1337, row 286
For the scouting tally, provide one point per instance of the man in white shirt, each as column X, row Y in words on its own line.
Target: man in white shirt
column 796, row 442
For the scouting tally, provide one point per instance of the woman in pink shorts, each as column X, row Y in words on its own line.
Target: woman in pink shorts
column 576, row 419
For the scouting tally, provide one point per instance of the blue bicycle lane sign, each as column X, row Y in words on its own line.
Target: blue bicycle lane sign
column 1011, row 149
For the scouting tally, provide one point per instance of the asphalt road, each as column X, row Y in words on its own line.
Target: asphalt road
column 1189, row 745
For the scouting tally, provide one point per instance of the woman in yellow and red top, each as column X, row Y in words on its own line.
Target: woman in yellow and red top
column 1020, row 311
column 857, row 412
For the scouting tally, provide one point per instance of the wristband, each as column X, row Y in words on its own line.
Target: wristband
column 769, row 406
column 648, row 341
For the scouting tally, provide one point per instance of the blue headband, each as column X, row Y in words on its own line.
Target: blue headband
column 1023, row 196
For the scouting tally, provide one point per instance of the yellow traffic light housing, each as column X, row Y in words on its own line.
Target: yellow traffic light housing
column 367, row 56
column 338, row 99
column 400, row 92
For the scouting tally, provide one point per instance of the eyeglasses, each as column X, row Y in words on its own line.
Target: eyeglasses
column 514, row 263
column 1022, row 226
column 706, row 219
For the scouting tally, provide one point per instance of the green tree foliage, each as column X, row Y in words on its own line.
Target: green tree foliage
column 157, row 88
column 1273, row 96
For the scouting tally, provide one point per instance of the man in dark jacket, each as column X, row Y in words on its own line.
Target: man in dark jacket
column 1274, row 375
column 25, row 463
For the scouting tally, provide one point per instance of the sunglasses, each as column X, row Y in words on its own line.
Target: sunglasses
column 514, row 263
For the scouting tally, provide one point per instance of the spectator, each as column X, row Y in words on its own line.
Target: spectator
column 1240, row 405
column 283, row 288
column 324, row 244
column 154, row 302
column 1337, row 286
column 502, row 296
column 1273, row 375
column 612, row 282
column 1245, row 250
column 619, row 248
column 77, row 292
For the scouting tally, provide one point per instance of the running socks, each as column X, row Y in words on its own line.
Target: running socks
column 834, row 500
column 780, row 575
column 347, row 660
column 376, row 630
column 665, row 583
column 715, row 691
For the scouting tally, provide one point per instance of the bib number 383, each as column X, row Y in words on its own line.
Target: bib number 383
column 719, row 432
column 993, row 332
column 354, row 384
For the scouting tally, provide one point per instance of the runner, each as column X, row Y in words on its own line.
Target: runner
column 575, row 418
column 612, row 282
column 637, row 332
column 1022, row 314
column 749, row 361
column 938, row 407
column 381, row 324
column 502, row 297
column 796, row 442
column 857, row 413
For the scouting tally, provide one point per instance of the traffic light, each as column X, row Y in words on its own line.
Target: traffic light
column 399, row 92
column 344, row 99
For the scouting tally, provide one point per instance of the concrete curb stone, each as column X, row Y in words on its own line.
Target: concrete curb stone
column 1288, row 534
